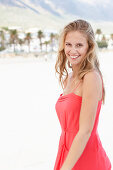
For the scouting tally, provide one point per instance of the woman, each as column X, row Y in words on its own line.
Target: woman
column 78, row 107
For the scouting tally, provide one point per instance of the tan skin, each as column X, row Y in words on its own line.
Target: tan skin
column 75, row 44
column 70, row 84
column 91, row 91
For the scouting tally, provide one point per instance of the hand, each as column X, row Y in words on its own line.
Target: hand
column 64, row 168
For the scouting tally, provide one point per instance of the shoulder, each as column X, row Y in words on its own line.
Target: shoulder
column 92, row 84
column 92, row 77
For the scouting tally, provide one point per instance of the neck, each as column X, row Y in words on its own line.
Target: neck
column 75, row 70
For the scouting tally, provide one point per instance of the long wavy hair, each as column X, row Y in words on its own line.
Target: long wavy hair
column 88, row 63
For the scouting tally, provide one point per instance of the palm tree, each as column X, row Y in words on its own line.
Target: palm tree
column 56, row 37
column 98, row 32
column 103, row 38
column 21, row 42
column 103, row 43
column 2, row 38
column 112, row 36
column 5, row 28
column 40, row 36
column 7, row 32
column 46, row 44
column 13, row 37
column 52, row 37
column 28, row 39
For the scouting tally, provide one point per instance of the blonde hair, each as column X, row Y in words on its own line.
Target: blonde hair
column 88, row 63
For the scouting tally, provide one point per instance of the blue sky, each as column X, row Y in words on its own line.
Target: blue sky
column 93, row 2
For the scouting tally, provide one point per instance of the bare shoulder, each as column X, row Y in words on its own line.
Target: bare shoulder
column 92, row 84
column 92, row 76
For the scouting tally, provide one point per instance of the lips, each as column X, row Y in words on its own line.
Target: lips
column 75, row 56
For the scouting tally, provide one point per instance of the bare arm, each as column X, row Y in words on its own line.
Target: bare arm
column 89, row 105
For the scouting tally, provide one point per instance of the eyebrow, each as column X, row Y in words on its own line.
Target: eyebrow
column 76, row 43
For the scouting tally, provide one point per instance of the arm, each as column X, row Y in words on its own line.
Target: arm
column 90, row 97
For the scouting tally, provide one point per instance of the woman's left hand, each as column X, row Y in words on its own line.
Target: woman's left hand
column 63, row 168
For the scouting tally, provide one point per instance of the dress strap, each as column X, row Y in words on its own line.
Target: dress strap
column 77, row 86
column 102, row 86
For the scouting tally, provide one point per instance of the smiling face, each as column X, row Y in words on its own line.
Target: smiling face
column 75, row 47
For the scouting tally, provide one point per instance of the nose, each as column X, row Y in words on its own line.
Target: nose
column 73, row 49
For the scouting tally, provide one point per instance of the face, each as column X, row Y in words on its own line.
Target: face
column 75, row 47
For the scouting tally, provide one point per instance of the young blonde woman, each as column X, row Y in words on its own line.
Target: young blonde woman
column 78, row 107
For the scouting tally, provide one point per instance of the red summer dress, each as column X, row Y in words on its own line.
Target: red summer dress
column 94, row 156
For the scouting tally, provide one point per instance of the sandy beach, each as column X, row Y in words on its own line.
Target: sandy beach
column 29, row 127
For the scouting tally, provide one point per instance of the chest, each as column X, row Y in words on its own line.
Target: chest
column 68, row 109
column 73, row 87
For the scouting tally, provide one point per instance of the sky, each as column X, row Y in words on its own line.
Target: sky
column 93, row 2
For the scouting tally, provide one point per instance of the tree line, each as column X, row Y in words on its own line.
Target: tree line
column 103, row 42
column 14, row 39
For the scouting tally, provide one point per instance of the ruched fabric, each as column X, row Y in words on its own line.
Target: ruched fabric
column 94, row 156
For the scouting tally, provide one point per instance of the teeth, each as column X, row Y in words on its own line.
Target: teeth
column 74, row 56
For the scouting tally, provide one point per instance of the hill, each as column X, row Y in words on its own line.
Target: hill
column 54, row 14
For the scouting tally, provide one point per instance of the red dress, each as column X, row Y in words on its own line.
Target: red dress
column 94, row 156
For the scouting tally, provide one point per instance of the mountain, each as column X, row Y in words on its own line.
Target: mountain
column 53, row 13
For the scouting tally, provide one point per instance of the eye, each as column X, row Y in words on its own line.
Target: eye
column 68, row 44
column 79, row 45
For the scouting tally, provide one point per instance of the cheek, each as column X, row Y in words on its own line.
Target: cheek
column 84, row 50
column 66, row 50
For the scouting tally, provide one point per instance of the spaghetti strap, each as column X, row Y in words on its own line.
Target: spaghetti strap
column 68, row 108
column 102, row 86
column 77, row 86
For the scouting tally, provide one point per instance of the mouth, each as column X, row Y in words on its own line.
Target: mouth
column 74, row 57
